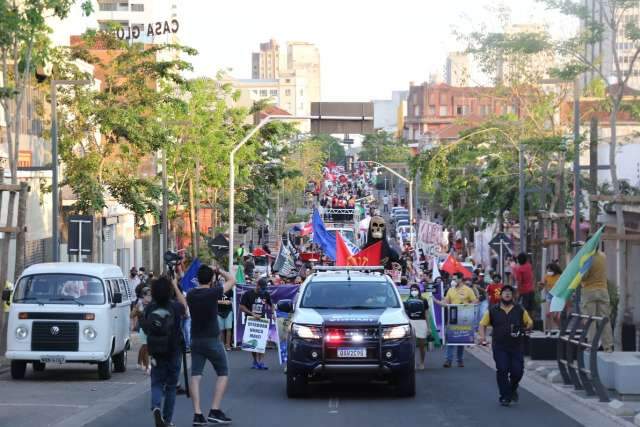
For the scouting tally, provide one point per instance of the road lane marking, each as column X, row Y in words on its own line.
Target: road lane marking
column 48, row 405
column 334, row 403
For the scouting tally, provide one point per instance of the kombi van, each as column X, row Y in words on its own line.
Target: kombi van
column 69, row 312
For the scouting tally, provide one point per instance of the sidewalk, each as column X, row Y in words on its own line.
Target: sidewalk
column 543, row 379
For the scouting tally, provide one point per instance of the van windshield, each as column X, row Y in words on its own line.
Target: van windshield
column 60, row 289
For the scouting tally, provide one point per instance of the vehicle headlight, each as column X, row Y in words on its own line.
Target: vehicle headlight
column 396, row 332
column 89, row 333
column 22, row 332
column 307, row 332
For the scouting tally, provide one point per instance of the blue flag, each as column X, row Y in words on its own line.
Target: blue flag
column 322, row 237
column 190, row 278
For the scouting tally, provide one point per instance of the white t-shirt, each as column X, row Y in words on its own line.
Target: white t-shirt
column 385, row 199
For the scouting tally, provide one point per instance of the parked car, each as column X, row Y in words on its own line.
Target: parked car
column 69, row 312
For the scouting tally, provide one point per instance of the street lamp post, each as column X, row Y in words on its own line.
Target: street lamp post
column 55, row 232
column 406, row 180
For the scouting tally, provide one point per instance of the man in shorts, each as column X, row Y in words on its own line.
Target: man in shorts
column 205, row 341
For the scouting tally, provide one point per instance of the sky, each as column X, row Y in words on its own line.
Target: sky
column 368, row 48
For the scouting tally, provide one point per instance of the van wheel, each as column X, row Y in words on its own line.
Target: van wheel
column 296, row 386
column 39, row 366
column 18, row 368
column 105, row 369
column 120, row 362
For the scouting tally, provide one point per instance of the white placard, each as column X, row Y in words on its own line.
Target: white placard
column 255, row 335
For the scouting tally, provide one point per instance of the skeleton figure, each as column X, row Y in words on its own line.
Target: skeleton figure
column 378, row 232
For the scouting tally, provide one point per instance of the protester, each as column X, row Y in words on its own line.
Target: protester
column 225, row 319
column 134, row 281
column 509, row 323
column 551, row 277
column 417, row 310
column 523, row 275
column 257, row 304
column 595, row 300
column 205, row 342
column 385, row 203
column 137, row 315
column 494, row 289
column 161, row 323
column 457, row 294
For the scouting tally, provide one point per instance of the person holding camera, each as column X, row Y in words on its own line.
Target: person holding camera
column 205, row 341
column 510, row 323
column 161, row 323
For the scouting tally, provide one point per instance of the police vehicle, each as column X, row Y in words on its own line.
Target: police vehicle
column 348, row 323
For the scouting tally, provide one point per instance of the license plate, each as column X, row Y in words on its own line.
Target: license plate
column 352, row 352
column 52, row 359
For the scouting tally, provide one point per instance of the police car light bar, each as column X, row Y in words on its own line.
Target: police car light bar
column 348, row 268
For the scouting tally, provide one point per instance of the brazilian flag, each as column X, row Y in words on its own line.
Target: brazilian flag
column 575, row 271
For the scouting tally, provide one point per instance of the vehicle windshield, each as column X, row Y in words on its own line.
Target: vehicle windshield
column 350, row 295
column 59, row 289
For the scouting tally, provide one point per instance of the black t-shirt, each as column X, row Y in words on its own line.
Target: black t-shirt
column 225, row 309
column 416, row 308
column 257, row 302
column 203, row 306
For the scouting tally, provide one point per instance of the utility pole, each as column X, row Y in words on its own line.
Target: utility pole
column 576, row 160
column 593, row 173
column 521, row 201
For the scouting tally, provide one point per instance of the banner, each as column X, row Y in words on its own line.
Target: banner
column 429, row 238
column 285, row 264
column 255, row 335
column 461, row 325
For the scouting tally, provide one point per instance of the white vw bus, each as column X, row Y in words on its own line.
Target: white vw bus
column 69, row 312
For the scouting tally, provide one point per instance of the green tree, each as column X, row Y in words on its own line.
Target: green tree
column 383, row 147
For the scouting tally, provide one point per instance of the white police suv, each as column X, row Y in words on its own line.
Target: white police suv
column 348, row 323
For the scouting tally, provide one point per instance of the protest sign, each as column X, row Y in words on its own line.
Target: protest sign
column 461, row 325
column 255, row 335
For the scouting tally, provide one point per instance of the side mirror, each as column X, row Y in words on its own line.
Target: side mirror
column 285, row 305
column 6, row 295
column 117, row 298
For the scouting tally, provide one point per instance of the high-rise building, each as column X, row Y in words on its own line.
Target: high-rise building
column 303, row 59
column 457, row 69
column 513, row 68
column 266, row 64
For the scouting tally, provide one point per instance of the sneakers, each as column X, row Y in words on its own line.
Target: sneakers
column 447, row 364
column 262, row 367
column 255, row 365
column 505, row 402
column 199, row 420
column 157, row 417
column 216, row 416
column 514, row 396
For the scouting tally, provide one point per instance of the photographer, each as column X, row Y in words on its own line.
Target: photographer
column 205, row 341
column 510, row 322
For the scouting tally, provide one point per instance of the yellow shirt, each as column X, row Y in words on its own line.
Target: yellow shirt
column 596, row 277
column 550, row 282
column 460, row 295
column 526, row 319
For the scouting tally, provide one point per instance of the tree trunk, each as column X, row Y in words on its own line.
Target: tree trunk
column 620, row 229
column 192, row 219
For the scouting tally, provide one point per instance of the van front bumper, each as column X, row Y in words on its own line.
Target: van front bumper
column 69, row 356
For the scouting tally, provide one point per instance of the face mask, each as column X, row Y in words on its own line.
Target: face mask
column 505, row 302
column 414, row 293
column 549, row 273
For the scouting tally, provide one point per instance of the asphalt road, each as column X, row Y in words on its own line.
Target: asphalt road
column 445, row 397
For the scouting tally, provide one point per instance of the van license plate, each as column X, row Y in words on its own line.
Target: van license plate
column 52, row 359
column 352, row 352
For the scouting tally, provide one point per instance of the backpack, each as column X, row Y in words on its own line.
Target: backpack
column 158, row 323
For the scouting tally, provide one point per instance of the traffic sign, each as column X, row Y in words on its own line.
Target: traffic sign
column 503, row 240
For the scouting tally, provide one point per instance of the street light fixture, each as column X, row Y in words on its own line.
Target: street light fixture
column 55, row 232
column 408, row 181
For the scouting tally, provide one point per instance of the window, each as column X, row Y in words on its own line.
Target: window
column 459, row 110
column 59, row 289
column 123, row 7
column 340, row 295
column 24, row 159
column 287, row 92
column 432, row 110
column 484, row 110
column 255, row 91
column 264, row 92
column 444, row 110
column 273, row 92
column 125, row 289
column 107, row 7
column 466, row 110
column 138, row 7
column 416, row 110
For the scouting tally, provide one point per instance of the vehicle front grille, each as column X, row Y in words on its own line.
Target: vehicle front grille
column 352, row 337
column 54, row 336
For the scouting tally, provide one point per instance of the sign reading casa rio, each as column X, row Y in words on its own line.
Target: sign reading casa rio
column 152, row 29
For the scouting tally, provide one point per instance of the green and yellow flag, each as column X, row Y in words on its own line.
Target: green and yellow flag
column 575, row 271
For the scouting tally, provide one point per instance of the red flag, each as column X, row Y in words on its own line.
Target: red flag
column 453, row 266
column 367, row 257
column 307, row 229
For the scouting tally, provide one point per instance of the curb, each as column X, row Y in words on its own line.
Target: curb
column 532, row 377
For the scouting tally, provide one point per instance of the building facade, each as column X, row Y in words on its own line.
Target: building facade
column 457, row 70
column 266, row 63
column 439, row 112
column 388, row 114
